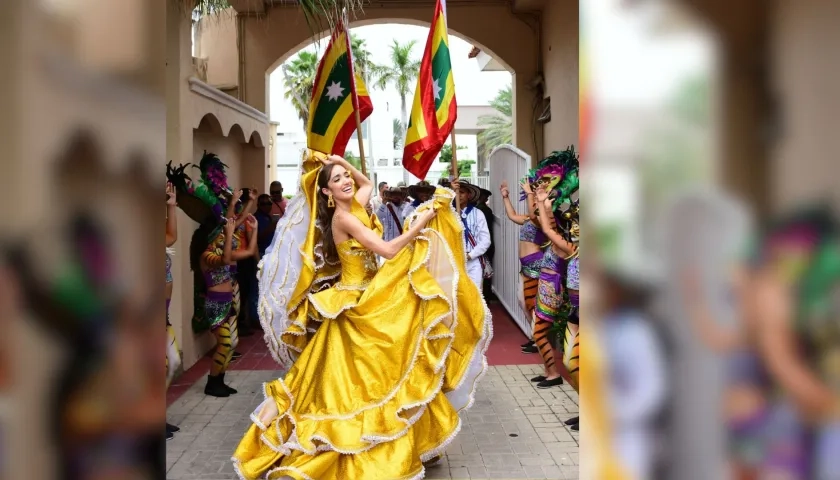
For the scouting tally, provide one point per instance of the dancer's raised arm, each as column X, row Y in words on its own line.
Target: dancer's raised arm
column 171, row 216
column 530, row 200
column 545, row 224
column 509, row 210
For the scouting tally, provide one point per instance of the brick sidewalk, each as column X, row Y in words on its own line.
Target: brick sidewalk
column 514, row 431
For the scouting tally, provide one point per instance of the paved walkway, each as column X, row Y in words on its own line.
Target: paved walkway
column 514, row 430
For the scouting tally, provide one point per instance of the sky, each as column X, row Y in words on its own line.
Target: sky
column 632, row 64
column 472, row 87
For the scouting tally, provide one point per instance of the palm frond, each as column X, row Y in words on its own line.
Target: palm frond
column 323, row 15
column 499, row 127
column 402, row 72
column 399, row 133
column 199, row 9
column 299, row 81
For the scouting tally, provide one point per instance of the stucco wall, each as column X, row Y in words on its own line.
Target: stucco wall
column 216, row 37
column 806, row 64
column 560, row 52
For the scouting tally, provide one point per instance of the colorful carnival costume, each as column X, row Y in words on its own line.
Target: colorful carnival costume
column 206, row 202
column 552, row 174
column 805, row 250
column 384, row 358
column 530, row 265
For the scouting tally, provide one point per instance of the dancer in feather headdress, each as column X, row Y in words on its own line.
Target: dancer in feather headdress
column 555, row 180
column 214, row 250
column 800, row 336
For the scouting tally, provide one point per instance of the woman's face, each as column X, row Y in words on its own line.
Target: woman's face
column 340, row 184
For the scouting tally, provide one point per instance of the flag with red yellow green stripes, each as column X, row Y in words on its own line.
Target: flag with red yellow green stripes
column 332, row 110
column 434, row 110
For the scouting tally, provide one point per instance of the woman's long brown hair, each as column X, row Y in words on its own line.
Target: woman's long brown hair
column 325, row 215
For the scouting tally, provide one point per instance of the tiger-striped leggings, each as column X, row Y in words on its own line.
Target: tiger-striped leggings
column 529, row 292
column 221, row 308
column 543, row 345
column 571, row 353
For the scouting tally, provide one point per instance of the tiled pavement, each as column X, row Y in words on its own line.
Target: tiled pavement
column 514, row 431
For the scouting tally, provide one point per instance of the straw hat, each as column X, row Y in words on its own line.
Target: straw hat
column 474, row 191
column 421, row 187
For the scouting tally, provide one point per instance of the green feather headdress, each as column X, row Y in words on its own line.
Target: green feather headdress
column 204, row 200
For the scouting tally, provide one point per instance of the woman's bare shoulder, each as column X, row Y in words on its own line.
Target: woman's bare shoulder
column 342, row 225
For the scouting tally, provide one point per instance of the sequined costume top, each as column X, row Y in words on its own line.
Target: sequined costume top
column 529, row 232
column 217, row 272
column 573, row 274
column 532, row 263
column 552, row 261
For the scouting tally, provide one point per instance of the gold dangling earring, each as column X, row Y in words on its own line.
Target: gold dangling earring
column 330, row 201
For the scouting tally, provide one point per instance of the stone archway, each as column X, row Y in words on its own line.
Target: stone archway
column 493, row 28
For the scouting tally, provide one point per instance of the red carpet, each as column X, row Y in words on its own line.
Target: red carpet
column 504, row 350
column 506, row 347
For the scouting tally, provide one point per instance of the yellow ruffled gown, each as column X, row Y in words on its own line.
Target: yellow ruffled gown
column 387, row 358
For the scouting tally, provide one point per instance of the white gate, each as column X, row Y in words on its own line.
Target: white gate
column 507, row 162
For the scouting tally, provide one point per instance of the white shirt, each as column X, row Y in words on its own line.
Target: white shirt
column 477, row 225
column 407, row 209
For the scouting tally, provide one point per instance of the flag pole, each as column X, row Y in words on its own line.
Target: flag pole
column 454, row 167
column 354, row 94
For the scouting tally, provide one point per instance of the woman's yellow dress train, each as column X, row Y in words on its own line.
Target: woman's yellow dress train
column 384, row 358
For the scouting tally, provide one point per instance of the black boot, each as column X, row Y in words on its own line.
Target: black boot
column 230, row 389
column 572, row 421
column 172, row 428
column 527, row 344
column 575, row 427
column 215, row 387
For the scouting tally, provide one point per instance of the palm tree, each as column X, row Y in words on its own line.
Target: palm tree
column 361, row 58
column 498, row 127
column 299, row 80
column 402, row 73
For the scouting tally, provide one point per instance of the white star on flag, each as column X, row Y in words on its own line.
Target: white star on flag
column 334, row 91
column 437, row 88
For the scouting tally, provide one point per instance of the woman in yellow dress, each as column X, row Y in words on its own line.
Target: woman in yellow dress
column 382, row 359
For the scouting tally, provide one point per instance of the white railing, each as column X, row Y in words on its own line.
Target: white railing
column 507, row 163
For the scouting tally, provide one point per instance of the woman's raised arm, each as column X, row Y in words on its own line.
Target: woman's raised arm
column 353, row 227
column 364, row 187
